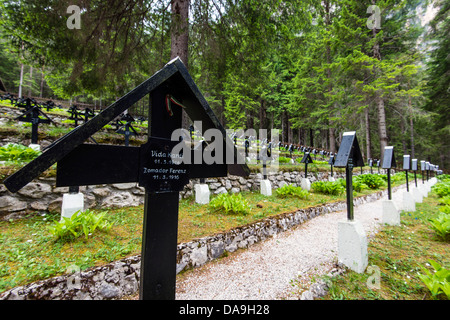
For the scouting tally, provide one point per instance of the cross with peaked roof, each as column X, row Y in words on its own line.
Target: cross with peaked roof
column 171, row 89
column 349, row 155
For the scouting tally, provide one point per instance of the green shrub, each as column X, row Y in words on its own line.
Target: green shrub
column 357, row 185
column 442, row 189
column 441, row 224
column 443, row 177
column 17, row 153
column 283, row 160
column 445, row 200
column 328, row 187
column 230, row 204
column 373, row 181
column 80, row 223
column 437, row 281
column 290, row 190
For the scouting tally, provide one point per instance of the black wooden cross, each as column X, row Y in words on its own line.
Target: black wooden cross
column 151, row 165
column 31, row 114
column 349, row 156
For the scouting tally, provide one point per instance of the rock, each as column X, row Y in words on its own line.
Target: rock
column 199, row 256
column 220, row 190
column 217, row 249
column 235, row 190
column 35, row 190
column 101, row 192
column 120, row 200
column 55, row 205
column 11, row 204
column 39, row 206
column 242, row 181
column 61, row 190
column 124, row 186
column 307, row 295
column 108, row 291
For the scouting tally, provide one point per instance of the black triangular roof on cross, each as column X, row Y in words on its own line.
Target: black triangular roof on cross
column 349, row 149
column 175, row 76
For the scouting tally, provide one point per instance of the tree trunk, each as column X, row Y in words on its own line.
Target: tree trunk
column 332, row 133
column 411, row 123
column 30, row 82
column 21, row 81
column 381, row 124
column 367, row 127
column 379, row 99
column 21, row 76
column 41, row 91
column 179, row 38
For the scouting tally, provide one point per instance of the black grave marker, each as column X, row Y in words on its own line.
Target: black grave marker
column 31, row 114
column 388, row 164
column 150, row 165
column 406, row 167
column 75, row 114
column 331, row 163
column 127, row 129
column 414, row 168
column 306, row 159
column 349, row 156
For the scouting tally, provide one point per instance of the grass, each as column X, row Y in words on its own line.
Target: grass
column 398, row 252
column 28, row 251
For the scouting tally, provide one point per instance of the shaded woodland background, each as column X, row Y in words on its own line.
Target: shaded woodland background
column 312, row 69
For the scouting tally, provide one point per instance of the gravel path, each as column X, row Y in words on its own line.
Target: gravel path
column 266, row 270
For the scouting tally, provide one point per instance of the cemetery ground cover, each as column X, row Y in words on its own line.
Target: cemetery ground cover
column 28, row 252
column 400, row 253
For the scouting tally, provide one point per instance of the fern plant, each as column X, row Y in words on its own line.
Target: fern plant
column 373, row 181
column 230, row 204
column 290, row 190
column 328, row 187
column 17, row 153
column 441, row 225
column 81, row 223
column 438, row 281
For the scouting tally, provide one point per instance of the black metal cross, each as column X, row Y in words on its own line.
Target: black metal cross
column 75, row 114
column 152, row 165
column 31, row 114
column 127, row 129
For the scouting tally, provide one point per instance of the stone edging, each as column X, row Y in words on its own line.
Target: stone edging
column 121, row 278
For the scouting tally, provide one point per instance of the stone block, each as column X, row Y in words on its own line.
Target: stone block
column 352, row 245
column 417, row 195
column 306, row 184
column 266, row 188
column 35, row 147
column 72, row 203
column 201, row 193
column 390, row 214
column 408, row 203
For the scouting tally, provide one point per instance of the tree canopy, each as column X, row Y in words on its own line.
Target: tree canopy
column 311, row 68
